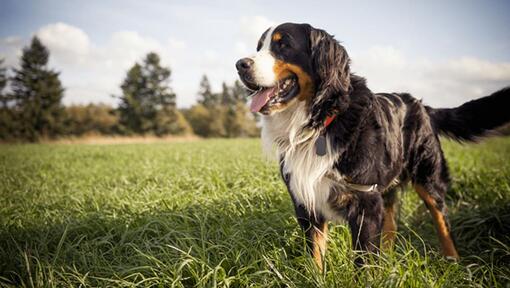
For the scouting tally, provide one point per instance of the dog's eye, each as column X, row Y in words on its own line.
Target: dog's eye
column 282, row 44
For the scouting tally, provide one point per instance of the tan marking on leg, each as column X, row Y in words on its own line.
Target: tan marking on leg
column 447, row 246
column 389, row 228
column 319, row 236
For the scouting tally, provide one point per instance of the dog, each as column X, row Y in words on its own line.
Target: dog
column 343, row 149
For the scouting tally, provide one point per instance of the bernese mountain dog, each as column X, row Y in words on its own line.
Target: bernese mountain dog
column 343, row 149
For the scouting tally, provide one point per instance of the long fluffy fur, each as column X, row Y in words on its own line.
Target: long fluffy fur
column 375, row 139
column 331, row 64
column 287, row 132
column 473, row 119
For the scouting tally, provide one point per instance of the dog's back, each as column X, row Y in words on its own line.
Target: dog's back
column 342, row 148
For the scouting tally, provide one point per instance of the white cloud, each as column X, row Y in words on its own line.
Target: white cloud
column 250, row 30
column 176, row 44
column 66, row 43
column 253, row 27
column 219, row 65
column 439, row 83
column 470, row 68
column 241, row 48
column 10, row 50
column 91, row 72
column 11, row 41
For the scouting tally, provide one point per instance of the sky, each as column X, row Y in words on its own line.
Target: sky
column 444, row 52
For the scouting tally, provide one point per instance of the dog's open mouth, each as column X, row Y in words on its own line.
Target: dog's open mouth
column 265, row 97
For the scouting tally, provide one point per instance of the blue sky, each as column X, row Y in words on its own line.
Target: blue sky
column 445, row 52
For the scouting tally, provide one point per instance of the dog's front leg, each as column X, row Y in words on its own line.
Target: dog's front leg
column 314, row 226
column 365, row 218
column 316, row 230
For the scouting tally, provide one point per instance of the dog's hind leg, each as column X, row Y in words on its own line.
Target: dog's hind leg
column 389, row 229
column 430, row 177
column 439, row 213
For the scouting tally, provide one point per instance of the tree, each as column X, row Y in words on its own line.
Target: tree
column 3, row 84
column 91, row 119
column 147, row 102
column 239, row 92
column 131, row 112
column 198, row 117
column 6, row 119
column 171, row 121
column 206, row 122
column 227, row 98
column 205, row 96
column 37, row 94
column 228, row 117
column 217, row 121
column 239, row 121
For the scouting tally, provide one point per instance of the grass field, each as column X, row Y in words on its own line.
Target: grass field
column 214, row 213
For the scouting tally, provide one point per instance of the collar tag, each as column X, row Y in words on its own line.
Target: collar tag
column 320, row 145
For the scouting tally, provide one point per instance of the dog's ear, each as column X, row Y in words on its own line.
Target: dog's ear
column 331, row 64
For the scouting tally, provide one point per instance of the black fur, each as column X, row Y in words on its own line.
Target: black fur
column 470, row 120
column 379, row 138
column 331, row 71
column 307, row 223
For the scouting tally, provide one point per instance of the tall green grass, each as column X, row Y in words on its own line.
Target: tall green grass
column 214, row 213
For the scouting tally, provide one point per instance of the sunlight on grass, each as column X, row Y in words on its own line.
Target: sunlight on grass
column 214, row 212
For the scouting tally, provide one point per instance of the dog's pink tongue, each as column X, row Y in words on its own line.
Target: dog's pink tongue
column 261, row 98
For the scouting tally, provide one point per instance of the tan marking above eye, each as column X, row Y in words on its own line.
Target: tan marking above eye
column 277, row 36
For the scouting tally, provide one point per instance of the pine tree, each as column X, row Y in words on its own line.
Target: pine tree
column 227, row 98
column 37, row 94
column 198, row 117
column 131, row 115
column 239, row 122
column 239, row 92
column 147, row 102
column 171, row 121
column 225, row 116
column 3, row 84
column 6, row 120
column 205, row 96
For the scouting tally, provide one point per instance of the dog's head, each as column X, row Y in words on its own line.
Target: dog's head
column 296, row 62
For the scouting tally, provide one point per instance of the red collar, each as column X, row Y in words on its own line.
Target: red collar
column 328, row 120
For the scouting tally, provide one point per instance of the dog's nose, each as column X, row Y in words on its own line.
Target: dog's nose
column 244, row 64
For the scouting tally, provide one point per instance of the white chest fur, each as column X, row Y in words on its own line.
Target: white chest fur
column 308, row 182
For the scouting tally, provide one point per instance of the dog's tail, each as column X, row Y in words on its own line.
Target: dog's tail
column 473, row 119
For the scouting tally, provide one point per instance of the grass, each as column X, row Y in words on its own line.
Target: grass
column 214, row 213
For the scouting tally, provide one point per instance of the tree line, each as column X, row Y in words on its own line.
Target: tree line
column 31, row 105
